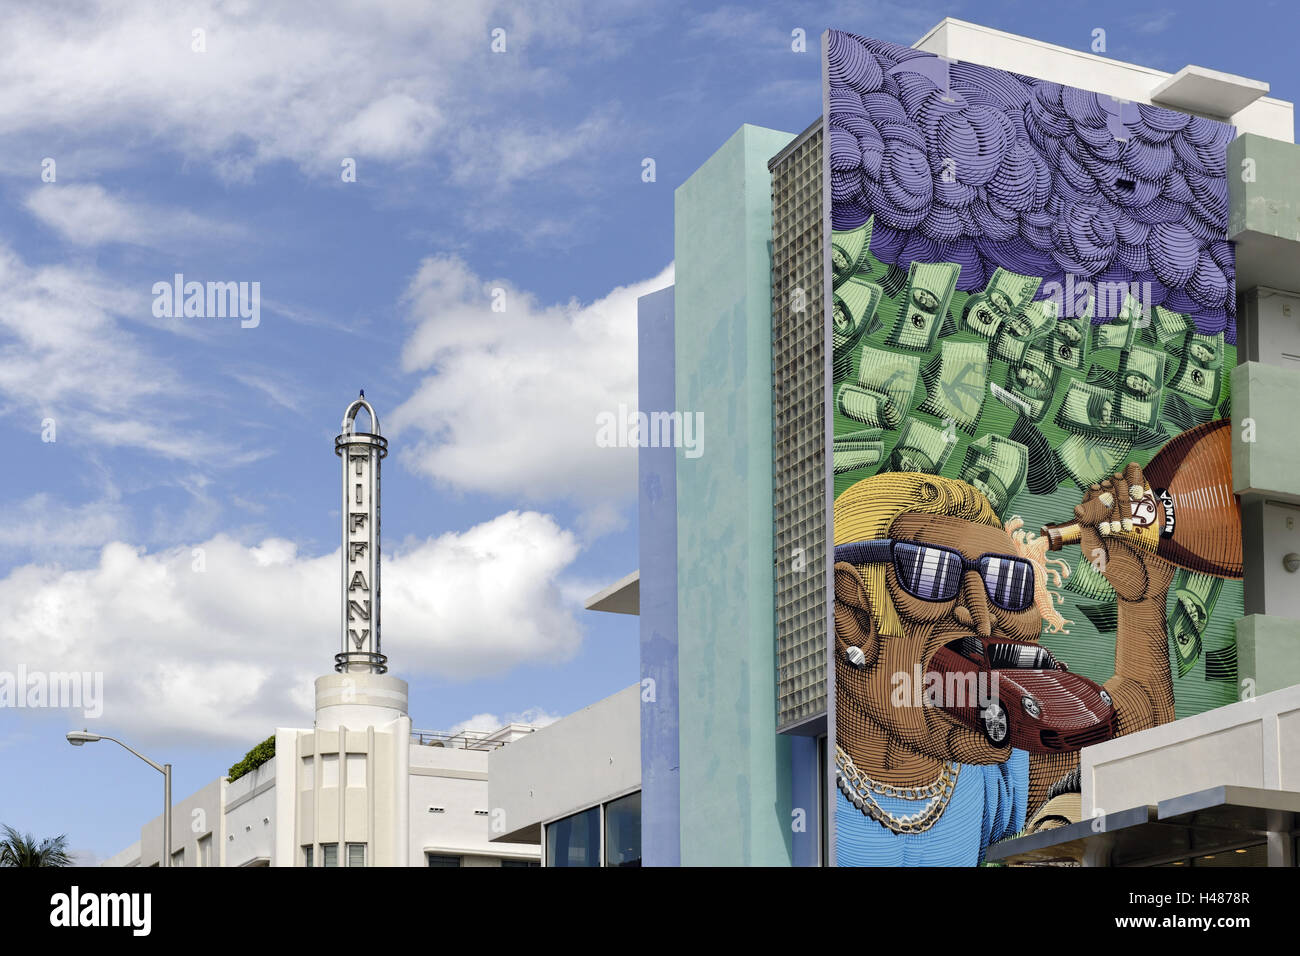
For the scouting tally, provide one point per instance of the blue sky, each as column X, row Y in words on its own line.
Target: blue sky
column 186, row 443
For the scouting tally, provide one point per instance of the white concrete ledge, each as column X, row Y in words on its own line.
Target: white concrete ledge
column 621, row 597
column 1252, row 743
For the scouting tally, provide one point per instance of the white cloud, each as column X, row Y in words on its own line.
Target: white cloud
column 65, row 357
column 503, row 154
column 277, row 385
column 510, row 401
column 389, row 80
column 88, row 215
column 486, row 723
column 52, row 531
column 227, row 653
column 1153, row 23
column 388, row 128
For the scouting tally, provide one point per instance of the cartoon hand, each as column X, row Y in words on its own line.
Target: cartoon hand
column 1106, row 521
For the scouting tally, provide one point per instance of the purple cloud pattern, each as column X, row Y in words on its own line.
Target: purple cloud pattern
column 985, row 168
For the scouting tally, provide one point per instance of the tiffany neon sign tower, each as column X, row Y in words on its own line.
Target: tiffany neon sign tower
column 350, row 798
column 361, row 693
column 361, row 454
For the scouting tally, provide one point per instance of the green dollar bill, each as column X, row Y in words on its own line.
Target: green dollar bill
column 1141, row 380
column 955, row 383
column 1032, row 323
column 1104, row 617
column 1089, row 409
column 921, row 447
column 1068, row 347
column 1181, row 414
column 1194, row 598
column 893, row 374
column 1170, row 326
column 853, row 307
column 1088, row 459
column 997, row 467
column 1120, row 332
column 1002, row 299
column 1221, row 663
column 930, row 286
column 867, row 406
column 1085, row 579
column 1031, row 382
column 862, row 434
column 848, row 249
column 850, row 456
column 1200, row 368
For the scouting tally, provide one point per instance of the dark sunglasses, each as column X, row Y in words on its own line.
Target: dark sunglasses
column 932, row 572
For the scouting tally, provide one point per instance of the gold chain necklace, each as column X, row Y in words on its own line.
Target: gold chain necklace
column 858, row 788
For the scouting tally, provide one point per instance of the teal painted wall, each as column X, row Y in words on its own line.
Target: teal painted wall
column 1270, row 464
column 1264, row 190
column 1268, row 652
column 735, row 768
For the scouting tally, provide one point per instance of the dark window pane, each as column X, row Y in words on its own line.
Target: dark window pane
column 434, row 859
column 575, row 840
column 521, row 863
column 623, row 831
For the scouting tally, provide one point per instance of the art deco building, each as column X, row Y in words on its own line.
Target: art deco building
column 360, row 787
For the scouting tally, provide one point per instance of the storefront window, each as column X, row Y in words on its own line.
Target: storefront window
column 575, row 840
column 623, row 831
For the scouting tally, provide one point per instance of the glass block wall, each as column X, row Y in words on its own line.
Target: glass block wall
column 799, row 429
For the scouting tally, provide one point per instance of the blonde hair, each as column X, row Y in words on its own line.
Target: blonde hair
column 868, row 508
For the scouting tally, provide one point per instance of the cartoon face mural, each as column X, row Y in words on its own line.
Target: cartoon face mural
column 1032, row 326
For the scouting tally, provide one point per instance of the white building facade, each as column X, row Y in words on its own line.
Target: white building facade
column 359, row 787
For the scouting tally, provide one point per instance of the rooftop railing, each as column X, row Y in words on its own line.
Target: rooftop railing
column 464, row 740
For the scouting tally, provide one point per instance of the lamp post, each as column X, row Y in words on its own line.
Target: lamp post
column 79, row 737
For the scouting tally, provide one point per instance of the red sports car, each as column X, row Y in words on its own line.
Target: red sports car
column 1024, row 697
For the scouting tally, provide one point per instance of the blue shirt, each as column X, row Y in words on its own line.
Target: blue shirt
column 987, row 804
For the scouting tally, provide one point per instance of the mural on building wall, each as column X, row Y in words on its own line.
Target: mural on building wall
column 1036, row 542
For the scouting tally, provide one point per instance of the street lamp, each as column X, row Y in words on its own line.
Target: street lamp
column 79, row 737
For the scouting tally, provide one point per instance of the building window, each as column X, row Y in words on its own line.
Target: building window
column 356, row 854
column 329, row 854
column 205, row 850
column 356, row 770
column 623, row 831
column 575, row 840
column 521, row 862
column 329, row 770
column 308, row 855
column 436, row 859
column 178, row 858
column 307, row 780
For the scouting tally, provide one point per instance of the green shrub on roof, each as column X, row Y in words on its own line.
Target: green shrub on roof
column 253, row 759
